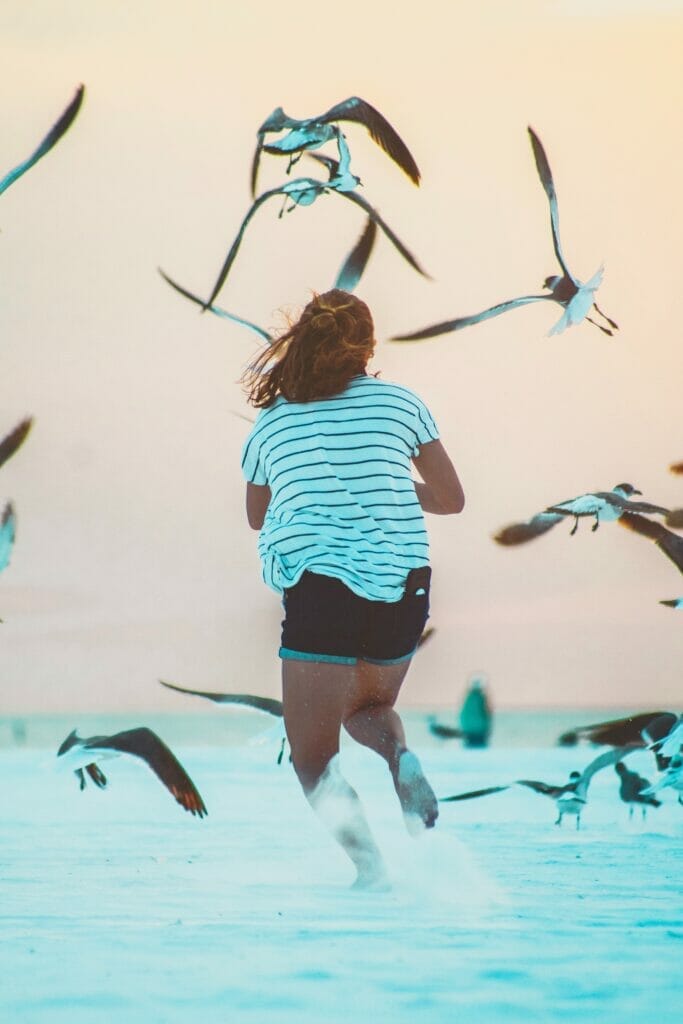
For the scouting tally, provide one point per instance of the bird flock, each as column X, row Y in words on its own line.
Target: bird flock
column 281, row 136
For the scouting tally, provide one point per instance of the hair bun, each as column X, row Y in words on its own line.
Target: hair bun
column 324, row 320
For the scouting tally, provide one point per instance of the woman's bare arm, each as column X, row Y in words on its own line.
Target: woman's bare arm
column 258, row 499
column 441, row 493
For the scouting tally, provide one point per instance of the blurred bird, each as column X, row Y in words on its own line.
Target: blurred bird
column 632, row 789
column 53, row 136
column 576, row 297
column 8, row 522
column 673, row 777
column 304, row 192
column 571, row 798
column 674, row 602
column 442, row 731
column 14, row 440
column 658, row 731
column 85, row 754
column 674, row 519
column 312, row 132
column 670, row 543
column 8, row 529
column 676, row 467
column 268, row 705
column 603, row 506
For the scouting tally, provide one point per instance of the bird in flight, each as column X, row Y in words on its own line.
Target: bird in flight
column 673, row 602
column 576, row 297
column 570, row 798
column 304, row 192
column 313, row 132
column 83, row 755
column 658, row 731
column 671, row 777
column 602, row 506
column 676, row 467
column 53, row 136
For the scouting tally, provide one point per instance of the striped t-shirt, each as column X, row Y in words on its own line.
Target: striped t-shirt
column 343, row 501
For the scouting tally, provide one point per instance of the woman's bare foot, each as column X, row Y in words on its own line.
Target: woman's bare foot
column 419, row 804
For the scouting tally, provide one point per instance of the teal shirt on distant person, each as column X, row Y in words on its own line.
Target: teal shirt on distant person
column 343, row 501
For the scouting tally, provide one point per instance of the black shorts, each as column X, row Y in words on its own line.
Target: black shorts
column 325, row 621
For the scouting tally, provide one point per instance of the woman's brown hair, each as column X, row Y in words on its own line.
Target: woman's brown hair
column 330, row 343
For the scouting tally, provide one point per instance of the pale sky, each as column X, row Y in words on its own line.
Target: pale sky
column 133, row 558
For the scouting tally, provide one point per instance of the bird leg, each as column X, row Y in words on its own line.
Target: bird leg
column 282, row 208
column 605, row 330
column 596, row 523
column 575, row 527
column 630, row 812
column 81, row 778
column 605, row 317
column 559, row 818
column 578, row 822
column 282, row 750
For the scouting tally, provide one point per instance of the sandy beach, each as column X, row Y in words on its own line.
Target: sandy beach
column 117, row 904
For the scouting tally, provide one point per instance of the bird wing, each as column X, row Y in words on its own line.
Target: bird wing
column 14, row 440
column 381, row 132
column 602, row 761
column 426, row 635
column 216, row 310
column 394, row 239
column 229, row 259
column 620, row 731
column 355, row 263
column 8, row 530
column 545, row 174
column 329, row 162
column 519, row 533
column 674, row 519
column 673, row 602
column 676, row 467
column 466, row 321
column 545, row 788
column 145, row 744
column 53, row 136
column 475, row 793
column 267, row 704
column 444, row 732
column 617, row 501
column 670, row 543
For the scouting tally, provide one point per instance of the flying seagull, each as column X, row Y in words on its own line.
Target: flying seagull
column 570, row 798
column 658, row 731
column 673, row 602
column 84, row 755
column 303, row 192
column 676, row 467
column 632, row 790
column 577, row 298
column 216, row 310
column 53, row 136
column 603, row 506
column 269, row 705
column 312, row 132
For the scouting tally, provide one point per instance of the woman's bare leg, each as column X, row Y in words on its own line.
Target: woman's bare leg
column 314, row 697
column 369, row 717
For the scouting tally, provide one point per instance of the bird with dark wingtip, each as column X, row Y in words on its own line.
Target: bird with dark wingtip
column 312, row 132
column 672, row 777
column 303, row 192
column 658, row 731
column 83, row 755
column 602, row 506
column 570, row 798
column 576, row 297
column 347, row 278
column 53, row 136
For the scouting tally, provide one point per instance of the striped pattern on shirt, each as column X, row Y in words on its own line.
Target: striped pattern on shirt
column 343, row 501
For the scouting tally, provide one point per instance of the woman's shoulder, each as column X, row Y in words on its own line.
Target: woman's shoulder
column 389, row 387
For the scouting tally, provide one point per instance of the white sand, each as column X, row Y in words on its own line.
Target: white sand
column 118, row 905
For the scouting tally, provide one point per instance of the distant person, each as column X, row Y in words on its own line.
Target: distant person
column 342, row 538
column 476, row 715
